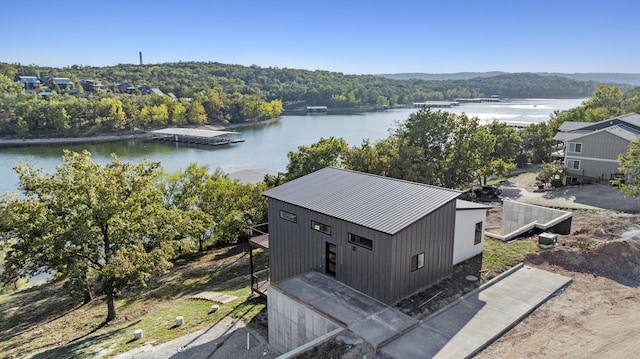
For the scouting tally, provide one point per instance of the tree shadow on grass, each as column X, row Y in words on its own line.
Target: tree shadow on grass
column 225, row 265
column 34, row 306
column 208, row 349
column 76, row 348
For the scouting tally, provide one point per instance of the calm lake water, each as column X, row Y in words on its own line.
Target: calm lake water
column 267, row 145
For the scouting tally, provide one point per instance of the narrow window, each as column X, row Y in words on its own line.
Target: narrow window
column 575, row 147
column 478, row 235
column 573, row 164
column 321, row 227
column 360, row 241
column 288, row 216
column 417, row 261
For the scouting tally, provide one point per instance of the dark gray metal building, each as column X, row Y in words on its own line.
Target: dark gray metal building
column 385, row 237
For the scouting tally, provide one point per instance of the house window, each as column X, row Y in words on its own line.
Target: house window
column 575, row 147
column 417, row 261
column 360, row 241
column 321, row 227
column 573, row 164
column 288, row 216
column 477, row 238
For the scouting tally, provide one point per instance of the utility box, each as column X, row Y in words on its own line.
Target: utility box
column 547, row 240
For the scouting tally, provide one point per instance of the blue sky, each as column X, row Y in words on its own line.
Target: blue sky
column 353, row 37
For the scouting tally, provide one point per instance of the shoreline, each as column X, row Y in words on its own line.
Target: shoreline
column 25, row 142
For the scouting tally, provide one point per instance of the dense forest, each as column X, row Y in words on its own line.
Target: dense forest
column 302, row 87
column 621, row 80
column 215, row 93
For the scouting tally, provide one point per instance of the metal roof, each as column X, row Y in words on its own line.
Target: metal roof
column 193, row 132
column 625, row 132
column 384, row 204
column 462, row 205
column 568, row 136
column 628, row 133
column 568, row 126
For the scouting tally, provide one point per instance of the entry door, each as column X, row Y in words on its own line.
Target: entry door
column 331, row 256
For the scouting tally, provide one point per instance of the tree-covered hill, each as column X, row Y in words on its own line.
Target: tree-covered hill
column 303, row 87
column 621, row 80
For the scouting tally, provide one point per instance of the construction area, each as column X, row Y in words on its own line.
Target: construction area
column 596, row 315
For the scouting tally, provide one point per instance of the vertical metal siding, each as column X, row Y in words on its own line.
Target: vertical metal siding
column 384, row 272
column 433, row 235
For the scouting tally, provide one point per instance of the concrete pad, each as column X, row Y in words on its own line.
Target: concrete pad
column 471, row 323
column 372, row 320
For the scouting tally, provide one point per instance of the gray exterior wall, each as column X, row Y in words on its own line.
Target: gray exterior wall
column 383, row 272
column 599, row 156
column 433, row 235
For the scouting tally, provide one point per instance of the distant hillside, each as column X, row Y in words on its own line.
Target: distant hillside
column 441, row 77
column 226, row 90
column 604, row 77
column 632, row 79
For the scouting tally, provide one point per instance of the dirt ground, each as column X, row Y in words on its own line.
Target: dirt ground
column 598, row 314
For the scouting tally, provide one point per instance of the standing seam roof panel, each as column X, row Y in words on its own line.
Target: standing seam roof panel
column 385, row 204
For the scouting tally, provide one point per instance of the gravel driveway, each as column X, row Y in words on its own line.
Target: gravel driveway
column 596, row 196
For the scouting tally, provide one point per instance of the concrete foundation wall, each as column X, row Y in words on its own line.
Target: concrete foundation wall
column 292, row 323
column 516, row 215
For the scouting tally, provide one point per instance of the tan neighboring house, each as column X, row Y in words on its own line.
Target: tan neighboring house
column 590, row 150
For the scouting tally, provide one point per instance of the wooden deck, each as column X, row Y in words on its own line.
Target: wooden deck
column 260, row 288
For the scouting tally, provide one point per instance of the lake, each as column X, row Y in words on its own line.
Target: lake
column 267, row 145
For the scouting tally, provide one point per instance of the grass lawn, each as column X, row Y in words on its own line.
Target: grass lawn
column 499, row 256
column 43, row 322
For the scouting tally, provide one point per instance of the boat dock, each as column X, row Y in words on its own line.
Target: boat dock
column 436, row 104
column 479, row 99
column 196, row 136
column 317, row 109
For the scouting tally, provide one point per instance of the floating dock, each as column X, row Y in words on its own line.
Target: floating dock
column 196, row 136
column 317, row 109
column 436, row 104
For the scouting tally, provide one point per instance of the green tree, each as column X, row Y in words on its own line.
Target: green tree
column 423, row 140
column 552, row 171
column 196, row 113
column 508, row 142
column 375, row 159
column 608, row 97
column 9, row 87
column 438, row 148
column 630, row 166
column 186, row 191
column 327, row 152
column 537, row 141
column 233, row 206
column 103, row 227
